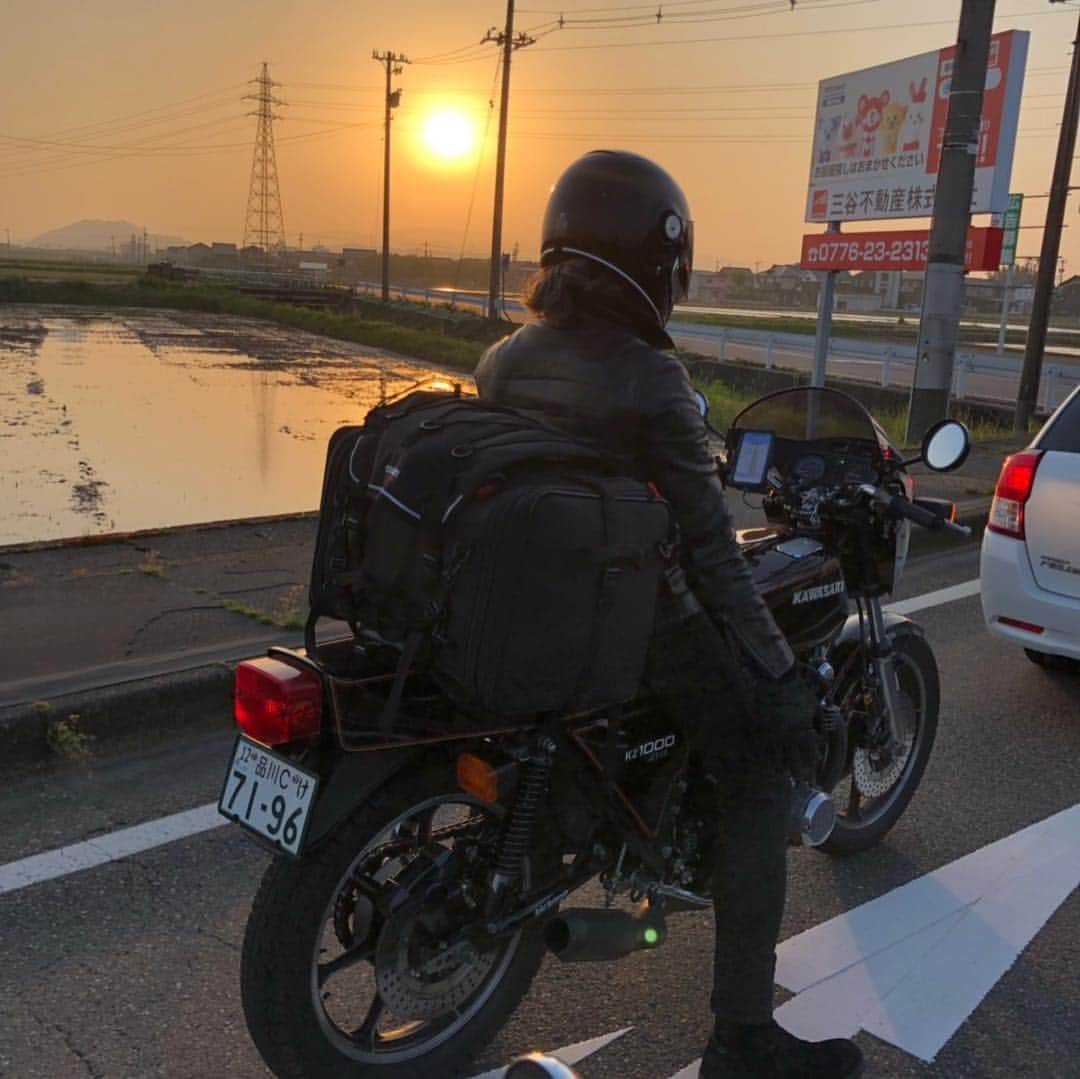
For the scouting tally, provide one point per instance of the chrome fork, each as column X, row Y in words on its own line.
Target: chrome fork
column 883, row 657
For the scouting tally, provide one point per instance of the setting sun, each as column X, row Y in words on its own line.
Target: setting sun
column 449, row 134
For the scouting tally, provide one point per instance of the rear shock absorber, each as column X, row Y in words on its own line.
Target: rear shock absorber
column 517, row 835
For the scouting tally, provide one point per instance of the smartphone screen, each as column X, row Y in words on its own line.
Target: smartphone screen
column 755, row 449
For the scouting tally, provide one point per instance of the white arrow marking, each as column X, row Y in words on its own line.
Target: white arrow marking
column 571, row 1054
column 912, row 965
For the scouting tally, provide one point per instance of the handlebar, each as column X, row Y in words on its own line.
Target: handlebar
column 898, row 506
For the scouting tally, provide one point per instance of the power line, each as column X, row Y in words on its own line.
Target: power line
column 629, row 22
column 762, row 37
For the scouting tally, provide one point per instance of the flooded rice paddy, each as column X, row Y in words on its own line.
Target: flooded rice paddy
column 116, row 421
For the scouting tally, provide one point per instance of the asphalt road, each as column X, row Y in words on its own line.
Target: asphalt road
column 130, row 969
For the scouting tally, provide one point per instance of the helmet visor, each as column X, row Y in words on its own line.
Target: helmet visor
column 683, row 267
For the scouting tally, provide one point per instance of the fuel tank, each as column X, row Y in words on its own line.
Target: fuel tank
column 801, row 582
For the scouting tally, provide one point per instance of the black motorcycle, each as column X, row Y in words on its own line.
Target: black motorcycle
column 420, row 872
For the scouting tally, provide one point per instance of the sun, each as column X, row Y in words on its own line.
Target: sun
column 448, row 134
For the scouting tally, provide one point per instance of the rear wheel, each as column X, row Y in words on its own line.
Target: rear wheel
column 879, row 784
column 355, row 964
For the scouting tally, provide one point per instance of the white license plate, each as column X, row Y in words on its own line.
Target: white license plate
column 268, row 794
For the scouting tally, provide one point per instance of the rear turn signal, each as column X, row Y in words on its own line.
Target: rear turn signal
column 275, row 702
column 482, row 780
column 1011, row 494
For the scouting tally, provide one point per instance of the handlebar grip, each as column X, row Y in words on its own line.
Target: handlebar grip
column 901, row 507
column 952, row 526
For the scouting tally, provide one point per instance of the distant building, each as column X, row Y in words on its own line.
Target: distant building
column 1066, row 298
column 315, row 272
column 728, row 284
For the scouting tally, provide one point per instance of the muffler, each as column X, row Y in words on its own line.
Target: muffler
column 589, row 935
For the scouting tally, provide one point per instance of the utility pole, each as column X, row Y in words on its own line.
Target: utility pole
column 395, row 65
column 508, row 43
column 943, row 286
column 1048, row 259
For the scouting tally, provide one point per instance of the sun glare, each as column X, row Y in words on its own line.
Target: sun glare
column 449, row 134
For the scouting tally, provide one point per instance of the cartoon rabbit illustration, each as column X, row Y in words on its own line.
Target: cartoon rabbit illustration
column 911, row 130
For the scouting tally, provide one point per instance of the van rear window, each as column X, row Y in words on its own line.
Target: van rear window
column 1063, row 434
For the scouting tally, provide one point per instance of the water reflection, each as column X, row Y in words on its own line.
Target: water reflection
column 114, row 422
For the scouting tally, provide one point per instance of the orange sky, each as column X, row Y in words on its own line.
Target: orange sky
column 736, row 132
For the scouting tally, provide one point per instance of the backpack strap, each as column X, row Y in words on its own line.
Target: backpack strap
column 410, row 647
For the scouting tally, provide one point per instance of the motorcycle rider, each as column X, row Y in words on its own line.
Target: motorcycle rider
column 616, row 255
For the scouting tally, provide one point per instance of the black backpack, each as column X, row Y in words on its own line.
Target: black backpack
column 519, row 562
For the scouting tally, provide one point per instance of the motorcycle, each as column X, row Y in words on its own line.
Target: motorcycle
column 421, row 871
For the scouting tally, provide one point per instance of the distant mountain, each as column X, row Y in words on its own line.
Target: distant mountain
column 100, row 236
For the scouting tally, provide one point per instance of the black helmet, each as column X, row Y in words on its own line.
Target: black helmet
column 625, row 212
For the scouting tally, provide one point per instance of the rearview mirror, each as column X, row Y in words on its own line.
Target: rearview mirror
column 702, row 403
column 946, row 446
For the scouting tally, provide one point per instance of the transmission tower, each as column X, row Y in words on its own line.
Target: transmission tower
column 264, row 223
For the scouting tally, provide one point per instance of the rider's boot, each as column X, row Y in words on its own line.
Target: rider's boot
column 767, row 1051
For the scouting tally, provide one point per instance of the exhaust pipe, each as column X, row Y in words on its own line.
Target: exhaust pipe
column 586, row 935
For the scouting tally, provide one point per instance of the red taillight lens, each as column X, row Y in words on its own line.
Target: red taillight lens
column 275, row 702
column 1012, row 492
column 1029, row 627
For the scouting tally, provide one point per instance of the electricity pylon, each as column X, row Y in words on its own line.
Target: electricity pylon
column 264, row 223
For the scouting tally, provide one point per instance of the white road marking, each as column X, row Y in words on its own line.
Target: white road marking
column 570, row 1054
column 912, row 965
column 108, row 848
column 935, row 599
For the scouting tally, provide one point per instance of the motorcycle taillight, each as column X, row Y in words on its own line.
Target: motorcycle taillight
column 275, row 702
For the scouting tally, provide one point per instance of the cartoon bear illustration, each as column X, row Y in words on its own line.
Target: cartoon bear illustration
column 892, row 116
column 869, row 115
column 911, row 130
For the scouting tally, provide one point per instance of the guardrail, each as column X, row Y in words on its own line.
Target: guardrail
column 1058, row 379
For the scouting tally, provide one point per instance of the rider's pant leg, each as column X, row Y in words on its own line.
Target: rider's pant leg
column 749, row 885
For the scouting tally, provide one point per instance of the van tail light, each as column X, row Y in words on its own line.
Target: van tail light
column 275, row 702
column 1011, row 494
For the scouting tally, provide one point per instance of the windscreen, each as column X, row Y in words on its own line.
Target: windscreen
column 808, row 413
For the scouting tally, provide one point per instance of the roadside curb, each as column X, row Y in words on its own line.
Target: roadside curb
column 136, row 714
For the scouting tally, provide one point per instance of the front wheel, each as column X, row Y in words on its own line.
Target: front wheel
column 877, row 785
column 358, row 962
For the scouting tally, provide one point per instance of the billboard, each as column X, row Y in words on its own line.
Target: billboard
column 905, row 249
column 878, row 135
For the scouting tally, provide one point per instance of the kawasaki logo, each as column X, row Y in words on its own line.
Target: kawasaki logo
column 651, row 749
column 809, row 595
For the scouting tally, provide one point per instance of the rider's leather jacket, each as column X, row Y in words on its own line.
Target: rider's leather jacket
column 597, row 380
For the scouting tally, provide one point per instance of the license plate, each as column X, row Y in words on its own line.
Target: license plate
column 269, row 795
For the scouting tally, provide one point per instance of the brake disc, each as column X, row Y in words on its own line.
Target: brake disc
column 419, row 981
column 874, row 775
